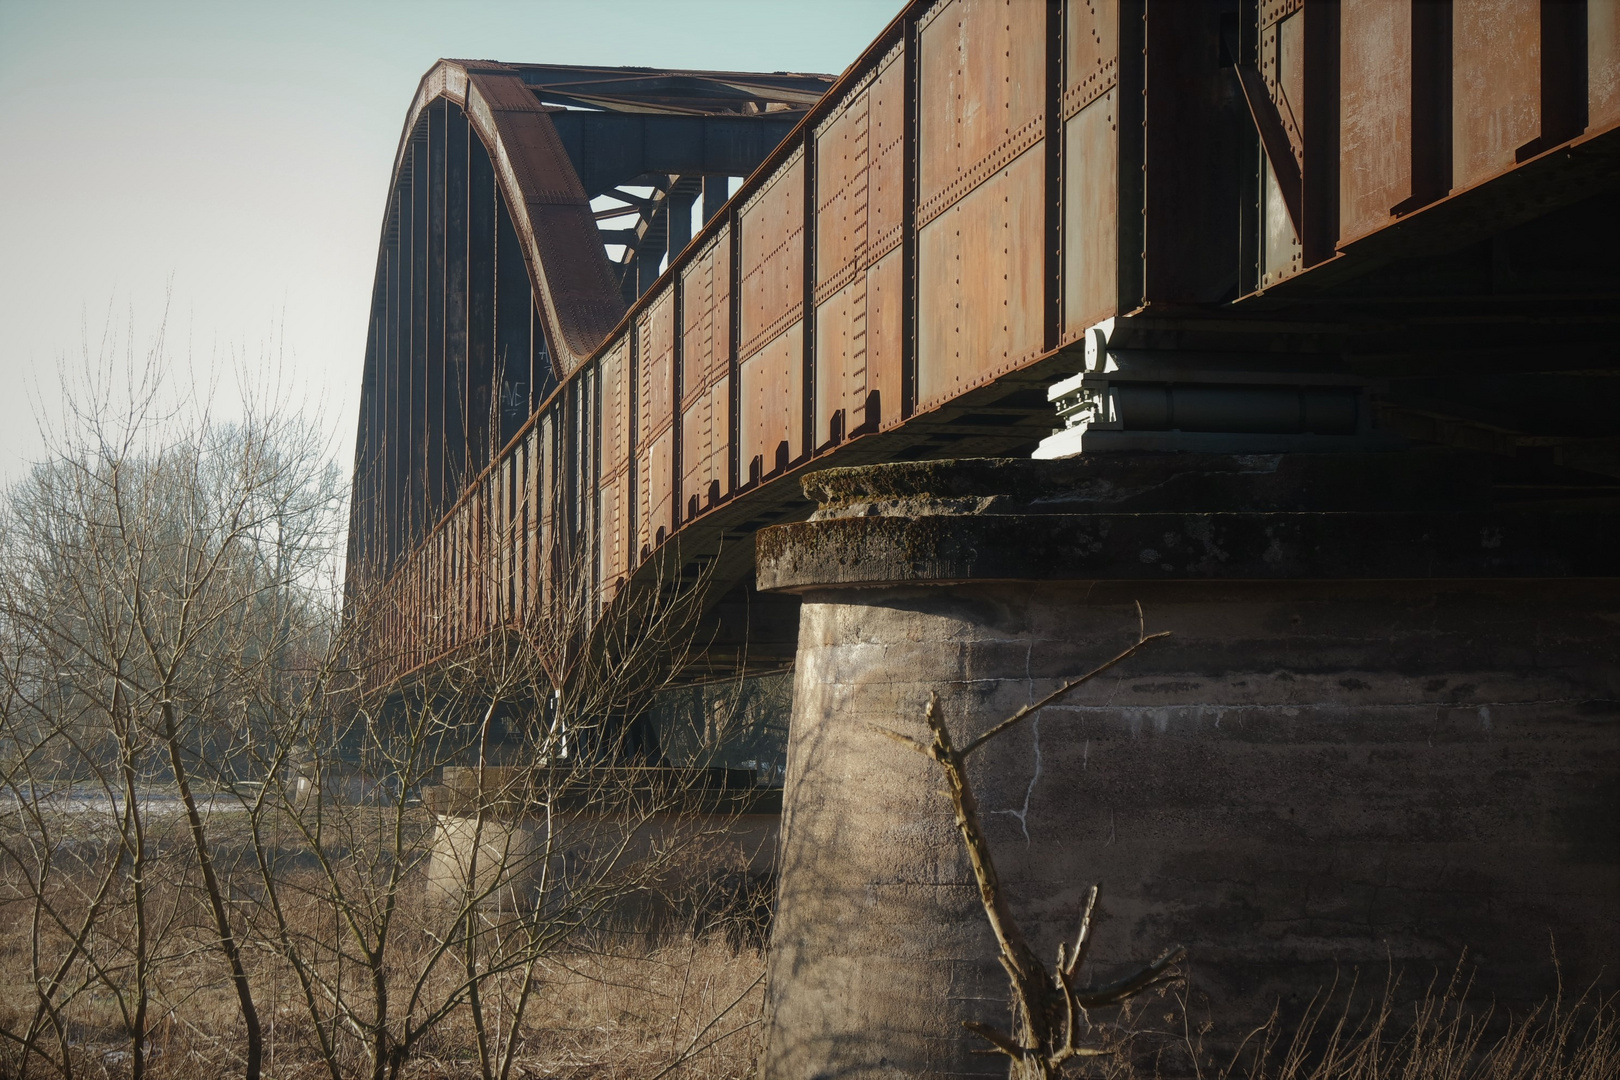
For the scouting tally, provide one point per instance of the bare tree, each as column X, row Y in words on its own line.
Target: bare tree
column 203, row 772
column 155, row 568
column 1048, row 1006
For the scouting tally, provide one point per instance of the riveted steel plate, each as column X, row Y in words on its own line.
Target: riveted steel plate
column 773, row 257
column 983, row 76
column 979, row 284
column 771, row 402
column 1495, row 87
column 1091, row 215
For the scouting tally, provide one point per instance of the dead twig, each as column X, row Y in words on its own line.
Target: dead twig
column 1047, row 1006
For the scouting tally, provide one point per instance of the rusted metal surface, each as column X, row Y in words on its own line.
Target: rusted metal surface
column 979, row 284
column 1091, row 165
column 770, row 349
column 981, row 189
column 859, row 185
column 705, row 377
column 722, row 418
column 1602, row 65
column 1275, row 95
column 547, row 540
column 886, row 124
column 1375, row 172
column 771, row 406
column 1091, row 52
column 773, row 258
column 528, row 525
column 1496, row 79
column 885, row 343
column 982, row 76
column 843, row 179
column 616, row 462
column 1091, row 214
column 840, row 367
column 655, row 434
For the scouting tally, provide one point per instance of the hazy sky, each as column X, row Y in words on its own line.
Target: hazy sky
column 229, row 161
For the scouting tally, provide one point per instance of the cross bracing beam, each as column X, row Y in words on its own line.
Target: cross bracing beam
column 648, row 90
column 611, row 149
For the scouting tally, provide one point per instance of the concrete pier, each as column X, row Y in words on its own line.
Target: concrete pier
column 1386, row 727
column 620, row 848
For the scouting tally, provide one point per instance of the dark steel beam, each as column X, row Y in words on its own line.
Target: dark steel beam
column 609, row 149
column 1430, row 142
column 1319, row 181
column 437, row 496
column 716, row 190
column 415, row 516
column 480, row 303
column 514, row 302
column 393, row 409
column 654, row 91
column 455, row 306
column 682, row 197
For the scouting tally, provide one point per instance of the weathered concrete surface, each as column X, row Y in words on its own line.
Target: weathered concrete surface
column 1176, row 516
column 1308, row 774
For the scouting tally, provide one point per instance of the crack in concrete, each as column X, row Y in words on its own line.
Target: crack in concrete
column 1023, row 815
column 1035, row 726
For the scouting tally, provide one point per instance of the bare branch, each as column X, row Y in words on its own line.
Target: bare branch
column 905, row 740
column 1003, row 1043
column 1034, row 707
column 1046, row 1006
column 1082, row 939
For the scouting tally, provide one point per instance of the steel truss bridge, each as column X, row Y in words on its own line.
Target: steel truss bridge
column 1264, row 224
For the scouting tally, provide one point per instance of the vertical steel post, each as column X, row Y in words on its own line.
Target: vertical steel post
column 436, row 494
column 1320, row 170
column 455, row 473
column 680, row 202
column 807, row 386
column 908, row 225
column 415, row 488
column 480, row 303
column 716, row 190
column 1052, row 201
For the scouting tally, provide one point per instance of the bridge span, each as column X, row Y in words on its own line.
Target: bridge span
column 1274, row 225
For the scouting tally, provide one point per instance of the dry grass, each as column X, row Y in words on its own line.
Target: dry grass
column 621, row 1007
column 612, row 1016
column 688, row 1007
column 1346, row 1033
column 685, row 1010
column 1440, row 1036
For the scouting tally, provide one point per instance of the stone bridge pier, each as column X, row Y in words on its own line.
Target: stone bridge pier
column 1384, row 730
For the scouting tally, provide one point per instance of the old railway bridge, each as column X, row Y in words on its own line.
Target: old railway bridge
column 1327, row 290
column 1254, row 197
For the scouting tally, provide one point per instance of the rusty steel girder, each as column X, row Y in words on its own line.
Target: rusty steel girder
column 1271, row 193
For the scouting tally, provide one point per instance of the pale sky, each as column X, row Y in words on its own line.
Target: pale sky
column 234, row 158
